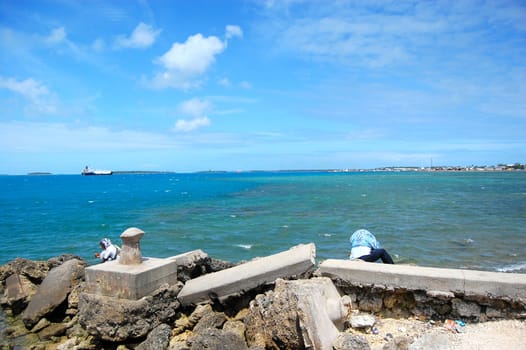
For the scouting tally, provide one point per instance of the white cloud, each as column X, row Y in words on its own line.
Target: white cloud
column 58, row 40
column 41, row 100
column 194, row 56
column 186, row 62
column 57, row 35
column 386, row 33
column 233, row 31
column 143, row 36
column 192, row 124
column 197, row 109
column 29, row 88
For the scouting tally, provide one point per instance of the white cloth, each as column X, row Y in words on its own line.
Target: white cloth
column 110, row 253
column 359, row 251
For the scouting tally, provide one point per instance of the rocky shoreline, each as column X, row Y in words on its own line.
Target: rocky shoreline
column 46, row 307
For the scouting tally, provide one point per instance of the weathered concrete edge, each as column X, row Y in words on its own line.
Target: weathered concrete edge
column 295, row 261
column 189, row 256
column 466, row 282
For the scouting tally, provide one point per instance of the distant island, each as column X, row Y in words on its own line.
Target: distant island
column 39, row 173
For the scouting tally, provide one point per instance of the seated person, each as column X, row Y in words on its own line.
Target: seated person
column 109, row 251
column 364, row 246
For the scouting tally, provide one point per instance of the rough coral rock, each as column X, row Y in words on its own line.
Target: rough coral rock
column 210, row 320
column 158, row 338
column 216, row 339
column 35, row 271
column 184, row 323
column 118, row 320
column 346, row 341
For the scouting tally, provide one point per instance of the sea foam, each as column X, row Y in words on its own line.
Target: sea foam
column 513, row 267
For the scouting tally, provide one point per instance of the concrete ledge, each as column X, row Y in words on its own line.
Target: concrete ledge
column 258, row 272
column 189, row 257
column 130, row 281
column 466, row 282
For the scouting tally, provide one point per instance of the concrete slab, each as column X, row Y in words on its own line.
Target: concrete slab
column 258, row 272
column 130, row 281
column 467, row 282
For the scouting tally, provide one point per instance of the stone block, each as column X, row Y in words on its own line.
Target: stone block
column 130, row 281
column 257, row 272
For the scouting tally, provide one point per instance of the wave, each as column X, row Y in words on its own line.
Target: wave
column 244, row 246
column 513, row 267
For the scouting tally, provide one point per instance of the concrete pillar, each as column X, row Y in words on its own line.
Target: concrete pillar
column 131, row 249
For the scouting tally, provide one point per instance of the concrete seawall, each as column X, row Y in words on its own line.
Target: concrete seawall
column 432, row 292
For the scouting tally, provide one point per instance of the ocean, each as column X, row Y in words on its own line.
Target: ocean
column 474, row 220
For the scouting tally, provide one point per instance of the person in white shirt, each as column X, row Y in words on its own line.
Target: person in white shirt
column 109, row 251
column 365, row 246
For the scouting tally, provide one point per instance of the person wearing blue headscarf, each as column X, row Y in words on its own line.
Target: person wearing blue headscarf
column 365, row 246
column 109, row 251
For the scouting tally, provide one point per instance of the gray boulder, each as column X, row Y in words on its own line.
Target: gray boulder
column 210, row 320
column 346, row 341
column 216, row 339
column 158, row 338
column 53, row 291
column 361, row 321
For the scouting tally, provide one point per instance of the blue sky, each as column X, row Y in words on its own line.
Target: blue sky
column 242, row 85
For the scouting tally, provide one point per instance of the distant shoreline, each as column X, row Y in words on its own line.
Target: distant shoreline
column 473, row 168
column 499, row 168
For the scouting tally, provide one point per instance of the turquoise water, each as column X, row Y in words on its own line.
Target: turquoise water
column 462, row 220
